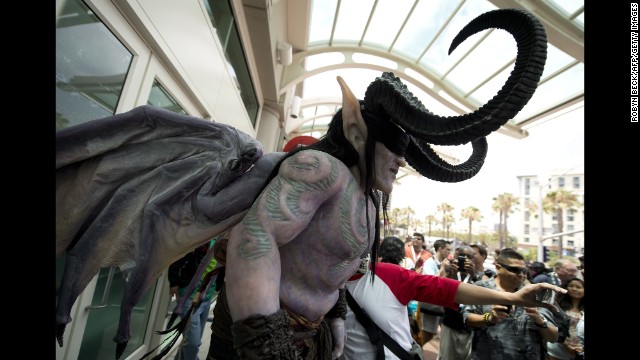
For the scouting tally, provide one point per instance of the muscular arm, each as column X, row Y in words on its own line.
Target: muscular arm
column 304, row 182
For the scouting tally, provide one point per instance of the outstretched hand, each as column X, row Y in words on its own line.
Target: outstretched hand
column 527, row 295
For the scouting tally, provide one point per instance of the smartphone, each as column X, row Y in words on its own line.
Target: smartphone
column 461, row 259
column 508, row 308
column 419, row 263
column 546, row 296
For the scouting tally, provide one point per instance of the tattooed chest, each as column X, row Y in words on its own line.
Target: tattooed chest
column 355, row 230
column 343, row 231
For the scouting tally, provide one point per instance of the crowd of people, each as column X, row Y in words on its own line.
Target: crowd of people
column 465, row 331
column 493, row 331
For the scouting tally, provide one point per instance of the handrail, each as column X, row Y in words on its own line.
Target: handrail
column 105, row 294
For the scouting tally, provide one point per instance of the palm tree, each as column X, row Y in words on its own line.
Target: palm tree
column 503, row 204
column 408, row 213
column 402, row 217
column 555, row 202
column 449, row 219
column 430, row 219
column 472, row 214
column 532, row 207
column 394, row 218
column 417, row 224
column 497, row 208
column 445, row 209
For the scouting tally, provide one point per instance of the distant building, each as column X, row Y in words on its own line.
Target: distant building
column 529, row 191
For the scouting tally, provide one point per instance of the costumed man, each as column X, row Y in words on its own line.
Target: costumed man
column 284, row 292
column 335, row 181
column 318, row 216
column 309, row 223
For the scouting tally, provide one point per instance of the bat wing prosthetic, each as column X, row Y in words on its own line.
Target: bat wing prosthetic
column 140, row 189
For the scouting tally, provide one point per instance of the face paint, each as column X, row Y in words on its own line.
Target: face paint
column 386, row 168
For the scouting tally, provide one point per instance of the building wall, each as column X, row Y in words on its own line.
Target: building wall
column 181, row 35
column 529, row 191
column 175, row 44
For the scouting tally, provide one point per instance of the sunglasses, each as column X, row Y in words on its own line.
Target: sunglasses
column 514, row 269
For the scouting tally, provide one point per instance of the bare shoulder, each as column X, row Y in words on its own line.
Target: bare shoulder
column 306, row 181
column 314, row 168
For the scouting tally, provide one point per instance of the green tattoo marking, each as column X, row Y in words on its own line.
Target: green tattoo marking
column 273, row 201
column 297, row 188
column 257, row 243
column 347, row 214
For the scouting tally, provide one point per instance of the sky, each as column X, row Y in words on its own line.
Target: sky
column 553, row 145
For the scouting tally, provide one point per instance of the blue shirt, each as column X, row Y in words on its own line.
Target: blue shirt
column 515, row 338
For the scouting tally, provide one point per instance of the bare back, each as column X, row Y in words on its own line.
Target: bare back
column 301, row 240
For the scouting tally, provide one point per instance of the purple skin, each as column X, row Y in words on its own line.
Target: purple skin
column 139, row 190
column 307, row 233
column 247, row 184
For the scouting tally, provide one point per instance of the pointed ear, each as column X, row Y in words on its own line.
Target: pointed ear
column 353, row 124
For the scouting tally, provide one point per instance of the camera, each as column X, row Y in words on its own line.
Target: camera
column 546, row 296
column 461, row 259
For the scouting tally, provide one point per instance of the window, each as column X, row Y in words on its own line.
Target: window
column 527, row 186
column 576, row 182
column 91, row 66
column 527, row 215
column 561, row 182
column 570, row 243
column 570, row 214
column 526, row 239
column 161, row 97
column 526, row 229
column 102, row 322
column 221, row 16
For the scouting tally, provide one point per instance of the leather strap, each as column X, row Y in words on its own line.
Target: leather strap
column 376, row 335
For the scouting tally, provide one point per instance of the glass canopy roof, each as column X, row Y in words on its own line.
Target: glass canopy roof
column 411, row 38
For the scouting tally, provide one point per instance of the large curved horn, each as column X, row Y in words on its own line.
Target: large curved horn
column 389, row 93
column 427, row 162
column 409, row 112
